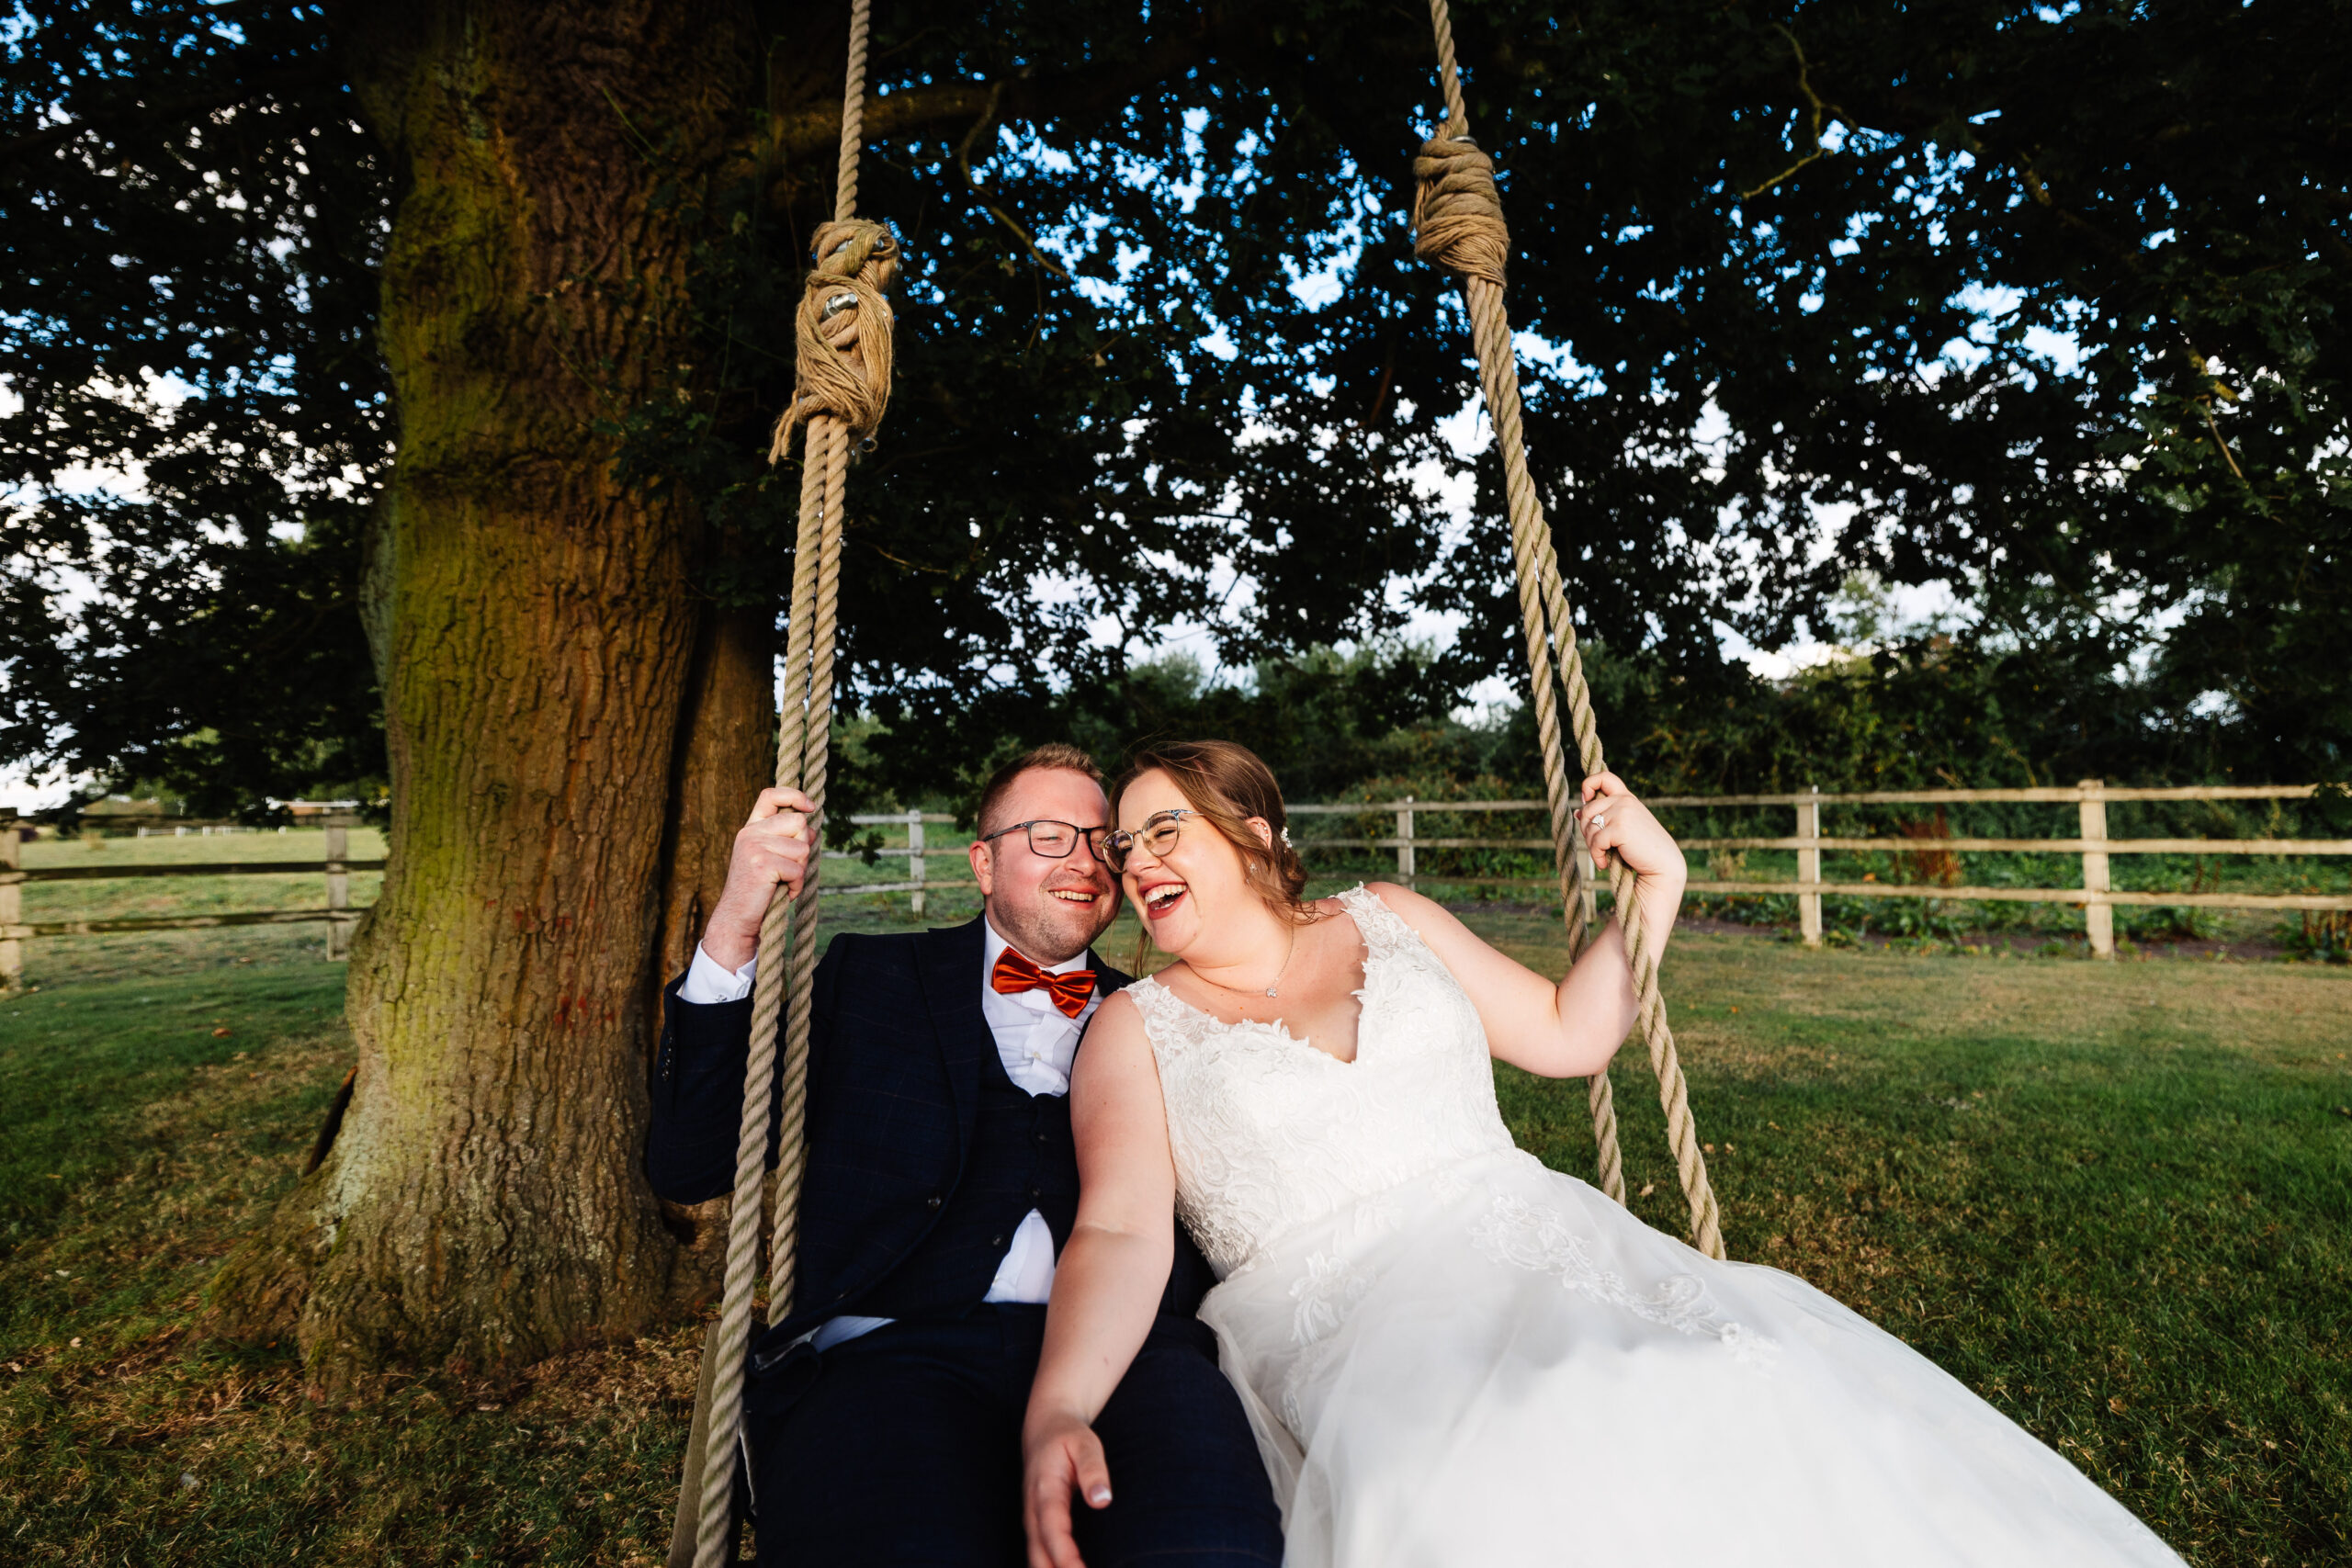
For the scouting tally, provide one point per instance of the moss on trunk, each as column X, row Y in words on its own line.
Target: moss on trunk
column 574, row 731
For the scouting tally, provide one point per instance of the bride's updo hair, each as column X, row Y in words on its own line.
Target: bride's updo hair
column 1227, row 786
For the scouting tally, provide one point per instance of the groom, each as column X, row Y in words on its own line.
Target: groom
column 884, row 1413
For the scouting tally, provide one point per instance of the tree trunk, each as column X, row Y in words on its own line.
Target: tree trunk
column 726, row 755
column 554, row 829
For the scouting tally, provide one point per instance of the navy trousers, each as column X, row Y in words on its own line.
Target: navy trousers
column 903, row 1447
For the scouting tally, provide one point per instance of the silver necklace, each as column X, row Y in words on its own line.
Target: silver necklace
column 1273, row 989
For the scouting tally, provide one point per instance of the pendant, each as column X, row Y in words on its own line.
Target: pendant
column 1269, row 990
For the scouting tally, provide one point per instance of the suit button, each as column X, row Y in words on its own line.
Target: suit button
column 1043, row 1139
column 1034, row 1193
column 996, row 1241
column 931, row 1201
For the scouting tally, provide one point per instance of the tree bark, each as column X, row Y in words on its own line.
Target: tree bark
column 574, row 732
column 726, row 755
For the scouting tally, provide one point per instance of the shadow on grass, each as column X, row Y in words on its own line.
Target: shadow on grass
column 148, row 1119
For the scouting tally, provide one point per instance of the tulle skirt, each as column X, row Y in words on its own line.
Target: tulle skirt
column 1496, row 1365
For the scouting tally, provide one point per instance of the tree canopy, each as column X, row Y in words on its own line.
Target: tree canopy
column 2043, row 302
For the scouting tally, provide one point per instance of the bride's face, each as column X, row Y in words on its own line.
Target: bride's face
column 1196, row 886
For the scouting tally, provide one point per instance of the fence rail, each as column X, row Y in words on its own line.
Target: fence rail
column 2097, row 900
column 339, row 915
column 2091, row 843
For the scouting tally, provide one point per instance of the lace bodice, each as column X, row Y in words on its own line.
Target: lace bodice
column 1269, row 1133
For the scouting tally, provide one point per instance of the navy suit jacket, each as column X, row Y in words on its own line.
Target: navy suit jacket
column 894, row 1039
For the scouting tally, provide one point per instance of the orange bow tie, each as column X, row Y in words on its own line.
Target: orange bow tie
column 1070, row 989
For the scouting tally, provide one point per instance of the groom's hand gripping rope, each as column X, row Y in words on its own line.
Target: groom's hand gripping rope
column 771, row 850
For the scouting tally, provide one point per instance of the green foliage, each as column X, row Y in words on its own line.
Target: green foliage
column 191, row 223
column 2045, row 304
column 1324, row 720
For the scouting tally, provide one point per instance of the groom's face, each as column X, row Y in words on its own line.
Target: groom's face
column 1051, row 909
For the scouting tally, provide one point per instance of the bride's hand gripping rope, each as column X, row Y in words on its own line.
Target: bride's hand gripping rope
column 1615, row 823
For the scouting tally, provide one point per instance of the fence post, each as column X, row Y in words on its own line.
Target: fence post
column 340, row 921
column 1405, row 849
column 1809, row 867
column 914, row 860
column 2098, row 919
column 12, row 909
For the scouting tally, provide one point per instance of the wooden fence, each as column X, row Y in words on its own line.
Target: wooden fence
column 2096, row 897
column 339, row 915
column 2092, row 845
column 917, row 883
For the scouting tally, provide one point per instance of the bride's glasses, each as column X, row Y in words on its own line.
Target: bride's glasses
column 1157, row 834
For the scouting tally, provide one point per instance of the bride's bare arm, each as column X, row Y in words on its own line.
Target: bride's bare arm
column 1572, row 1028
column 1108, row 1283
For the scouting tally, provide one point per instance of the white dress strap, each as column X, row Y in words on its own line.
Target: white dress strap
column 1382, row 928
column 1169, row 1021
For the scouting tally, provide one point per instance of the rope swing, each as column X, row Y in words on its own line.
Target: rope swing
column 843, row 330
column 1458, row 223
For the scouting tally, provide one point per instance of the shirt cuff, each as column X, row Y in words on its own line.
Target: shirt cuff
column 708, row 982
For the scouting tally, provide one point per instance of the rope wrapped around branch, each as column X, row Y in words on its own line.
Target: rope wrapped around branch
column 1457, row 212
column 844, row 331
column 1462, row 228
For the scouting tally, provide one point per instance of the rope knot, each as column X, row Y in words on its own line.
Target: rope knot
column 844, row 331
column 1457, row 212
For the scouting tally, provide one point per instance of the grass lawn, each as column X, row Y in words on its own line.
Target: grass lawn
column 2111, row 1198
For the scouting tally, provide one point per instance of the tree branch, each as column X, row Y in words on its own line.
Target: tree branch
column 964, row 167
column 815, row 131
column 1818, row 109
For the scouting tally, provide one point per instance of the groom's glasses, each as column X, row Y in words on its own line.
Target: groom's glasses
column 1157, row 834
column 1055, row 841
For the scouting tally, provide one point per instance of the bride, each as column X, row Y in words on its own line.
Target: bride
column 1450, row 1353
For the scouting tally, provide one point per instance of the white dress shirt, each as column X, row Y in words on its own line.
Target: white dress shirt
column 1036, row 1042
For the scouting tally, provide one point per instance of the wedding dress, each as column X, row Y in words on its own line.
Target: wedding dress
column 1453, row 1355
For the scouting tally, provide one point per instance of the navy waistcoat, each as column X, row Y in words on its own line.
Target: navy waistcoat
column 1019, row 1158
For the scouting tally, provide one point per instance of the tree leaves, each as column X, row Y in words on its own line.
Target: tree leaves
column 2044, row 304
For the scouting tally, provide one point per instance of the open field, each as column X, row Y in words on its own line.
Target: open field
column 2109, row 1196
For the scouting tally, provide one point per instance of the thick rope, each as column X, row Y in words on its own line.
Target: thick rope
column 832, row 455
column 1461, row 226
column 844, row 329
